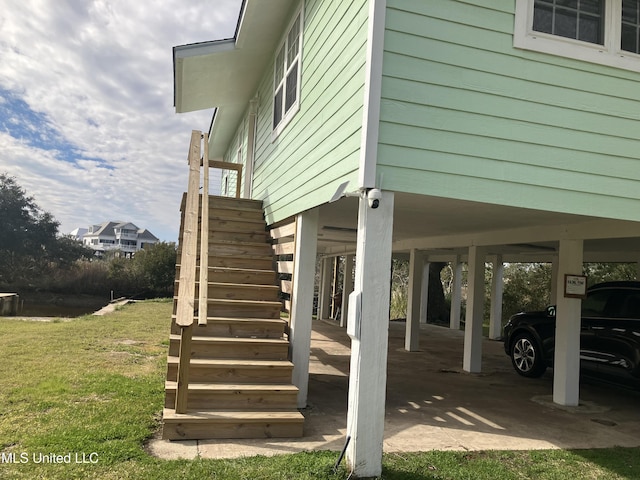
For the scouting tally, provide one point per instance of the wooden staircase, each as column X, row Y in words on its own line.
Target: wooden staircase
column 239, row 376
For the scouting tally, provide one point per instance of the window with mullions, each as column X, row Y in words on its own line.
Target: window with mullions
column 286, row 82
column 598, row 31
column 578, row 19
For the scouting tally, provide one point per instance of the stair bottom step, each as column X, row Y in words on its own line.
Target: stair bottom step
column 227, row 396
column 203, row 425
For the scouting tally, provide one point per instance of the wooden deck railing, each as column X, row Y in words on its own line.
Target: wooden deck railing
column 186, row 307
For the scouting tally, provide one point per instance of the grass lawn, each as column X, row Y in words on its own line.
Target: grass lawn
column 93, row 387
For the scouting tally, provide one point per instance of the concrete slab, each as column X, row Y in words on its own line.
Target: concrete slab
column 432, row 404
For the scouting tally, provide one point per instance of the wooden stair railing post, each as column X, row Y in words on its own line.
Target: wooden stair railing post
column 238, row 180
column 203, row 305
column 186, row 283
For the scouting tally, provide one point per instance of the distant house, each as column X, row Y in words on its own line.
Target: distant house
column 78, row 233
column 123, row 236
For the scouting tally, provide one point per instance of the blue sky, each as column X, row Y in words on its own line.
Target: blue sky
column 87, row 124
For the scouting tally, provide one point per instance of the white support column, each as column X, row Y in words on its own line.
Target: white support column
column 497, row 284
column 347, row 289
column 554, row 280
column 424, row 290
column 456, row 294
column 566, row 362
column 369, row 338
column 414, row 301
column 324, row 302
column 302, row 300
column 472, row 359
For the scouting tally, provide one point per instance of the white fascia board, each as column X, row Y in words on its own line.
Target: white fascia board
column 203, row 48
column 372, row 94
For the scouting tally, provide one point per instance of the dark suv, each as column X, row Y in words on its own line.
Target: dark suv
column 609, row 335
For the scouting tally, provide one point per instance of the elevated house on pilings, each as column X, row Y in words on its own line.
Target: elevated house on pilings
column 444, row 130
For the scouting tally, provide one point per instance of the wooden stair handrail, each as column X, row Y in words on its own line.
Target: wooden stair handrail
column 204, row 240
column 187, row 279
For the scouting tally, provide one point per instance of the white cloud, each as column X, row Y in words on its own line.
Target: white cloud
column 100, row 72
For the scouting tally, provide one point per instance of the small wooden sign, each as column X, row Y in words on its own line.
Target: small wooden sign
column 575, row 286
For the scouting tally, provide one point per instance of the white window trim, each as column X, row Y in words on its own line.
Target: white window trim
column 286, row 118
column 609, row 54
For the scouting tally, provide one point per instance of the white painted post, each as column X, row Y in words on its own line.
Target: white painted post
column 347, row 289
column 302, row 300
column 497, row 285
column 251, row 145
column 456, row 294
column 334, row 288
column 424, row 291
column 554, row 280
column 472, row 358
column 566, row 362
column 414, row 301
column 325, row 289
column 369, row 342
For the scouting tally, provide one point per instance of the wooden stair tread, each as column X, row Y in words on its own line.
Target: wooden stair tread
column 235, row 387
column 272, row 321
column 216, row 362
column 228, row 301
column 242, row 285
column 245, row 208
column 232, row 340
column 239, row 244
column 234, row 269
column 213, row 416
column 248, row 256
column 221, row 218
column 243, row 319
column 240, row 269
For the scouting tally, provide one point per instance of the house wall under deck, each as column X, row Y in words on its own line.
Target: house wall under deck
column 320, row 147
column 466, row 115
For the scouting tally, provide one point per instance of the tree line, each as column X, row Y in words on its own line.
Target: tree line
column 526, row 287
column 35, row 256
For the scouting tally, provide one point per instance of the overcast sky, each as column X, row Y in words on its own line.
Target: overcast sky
column 87, row 124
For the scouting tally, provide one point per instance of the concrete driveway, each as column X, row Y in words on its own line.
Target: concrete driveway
column 433, row 405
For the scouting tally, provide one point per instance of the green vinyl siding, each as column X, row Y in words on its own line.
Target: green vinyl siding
column 465, row 115
column 320, row 148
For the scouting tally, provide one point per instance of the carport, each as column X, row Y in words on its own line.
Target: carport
column 427, row 229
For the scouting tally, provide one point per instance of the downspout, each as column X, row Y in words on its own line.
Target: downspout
column 251, row 148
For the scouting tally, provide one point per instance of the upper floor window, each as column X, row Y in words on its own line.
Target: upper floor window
column 578, row 19
column 286, row 81
column 598, row 31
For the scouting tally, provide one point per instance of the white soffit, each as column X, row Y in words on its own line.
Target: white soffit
column 224, row 74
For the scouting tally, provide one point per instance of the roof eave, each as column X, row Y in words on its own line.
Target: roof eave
column 224, row 74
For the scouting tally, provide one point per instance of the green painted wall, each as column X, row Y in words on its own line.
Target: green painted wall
column 465, row 115
column 320, row 147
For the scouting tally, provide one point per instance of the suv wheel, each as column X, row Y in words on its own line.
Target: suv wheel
column 526, row 356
